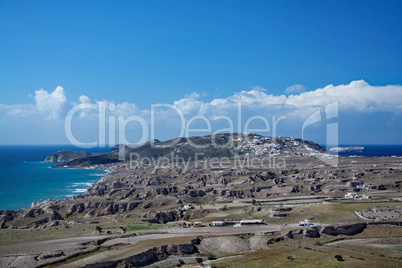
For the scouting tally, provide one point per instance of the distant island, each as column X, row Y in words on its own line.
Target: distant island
column 347, row 149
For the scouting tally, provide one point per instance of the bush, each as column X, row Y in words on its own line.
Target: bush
column 339, row 258
column 181, row 262
column 211, row 257
column 199, row 260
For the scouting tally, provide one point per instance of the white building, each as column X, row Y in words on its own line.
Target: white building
column 350, row 195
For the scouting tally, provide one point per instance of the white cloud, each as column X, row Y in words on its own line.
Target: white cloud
column 125, row 108
column 84, row 99
column 357, row 96
column 297, row 88
column 259, row 88
column 18, row 109
column 51, row 104
column 190, row 104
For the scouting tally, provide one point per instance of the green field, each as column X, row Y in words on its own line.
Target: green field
column 144, row 227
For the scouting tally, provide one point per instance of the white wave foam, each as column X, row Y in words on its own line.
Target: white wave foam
column 79, row 190
column 80, row 184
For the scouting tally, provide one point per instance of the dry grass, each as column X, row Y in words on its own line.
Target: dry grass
column 147, row 244
column 14, row 236
column 327, row 213
column 301, row 257
column 305, row 252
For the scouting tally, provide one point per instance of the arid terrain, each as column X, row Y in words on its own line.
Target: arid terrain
column 240, row 200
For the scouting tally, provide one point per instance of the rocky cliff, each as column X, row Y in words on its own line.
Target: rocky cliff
column 65, row 156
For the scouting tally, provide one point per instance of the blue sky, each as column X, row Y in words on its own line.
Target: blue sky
column 138, row 53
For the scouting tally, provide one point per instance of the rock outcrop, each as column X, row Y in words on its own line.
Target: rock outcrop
column 65, row 156
column 351, row 229
column 86, row 161
column 149, row 256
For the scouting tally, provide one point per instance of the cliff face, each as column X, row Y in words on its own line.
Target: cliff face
column 65, row 156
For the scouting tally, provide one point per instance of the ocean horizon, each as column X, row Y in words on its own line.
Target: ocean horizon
column 26, row 178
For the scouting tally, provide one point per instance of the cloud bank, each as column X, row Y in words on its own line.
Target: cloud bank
column 357, row 96
column 363, row 103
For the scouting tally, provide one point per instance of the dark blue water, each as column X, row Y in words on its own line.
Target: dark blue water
column 25, row 178
column 372, row 150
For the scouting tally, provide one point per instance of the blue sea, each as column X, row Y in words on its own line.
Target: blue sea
column 25, row 178
column 372, row 150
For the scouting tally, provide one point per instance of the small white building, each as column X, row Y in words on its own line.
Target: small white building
column 252, row 221
column 350, row 195
column 218, row 223
column 306, row 222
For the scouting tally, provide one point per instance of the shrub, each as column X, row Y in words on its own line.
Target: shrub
column 199, row 260
column 339, row 258
column 98, row 228
column 211, row 256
